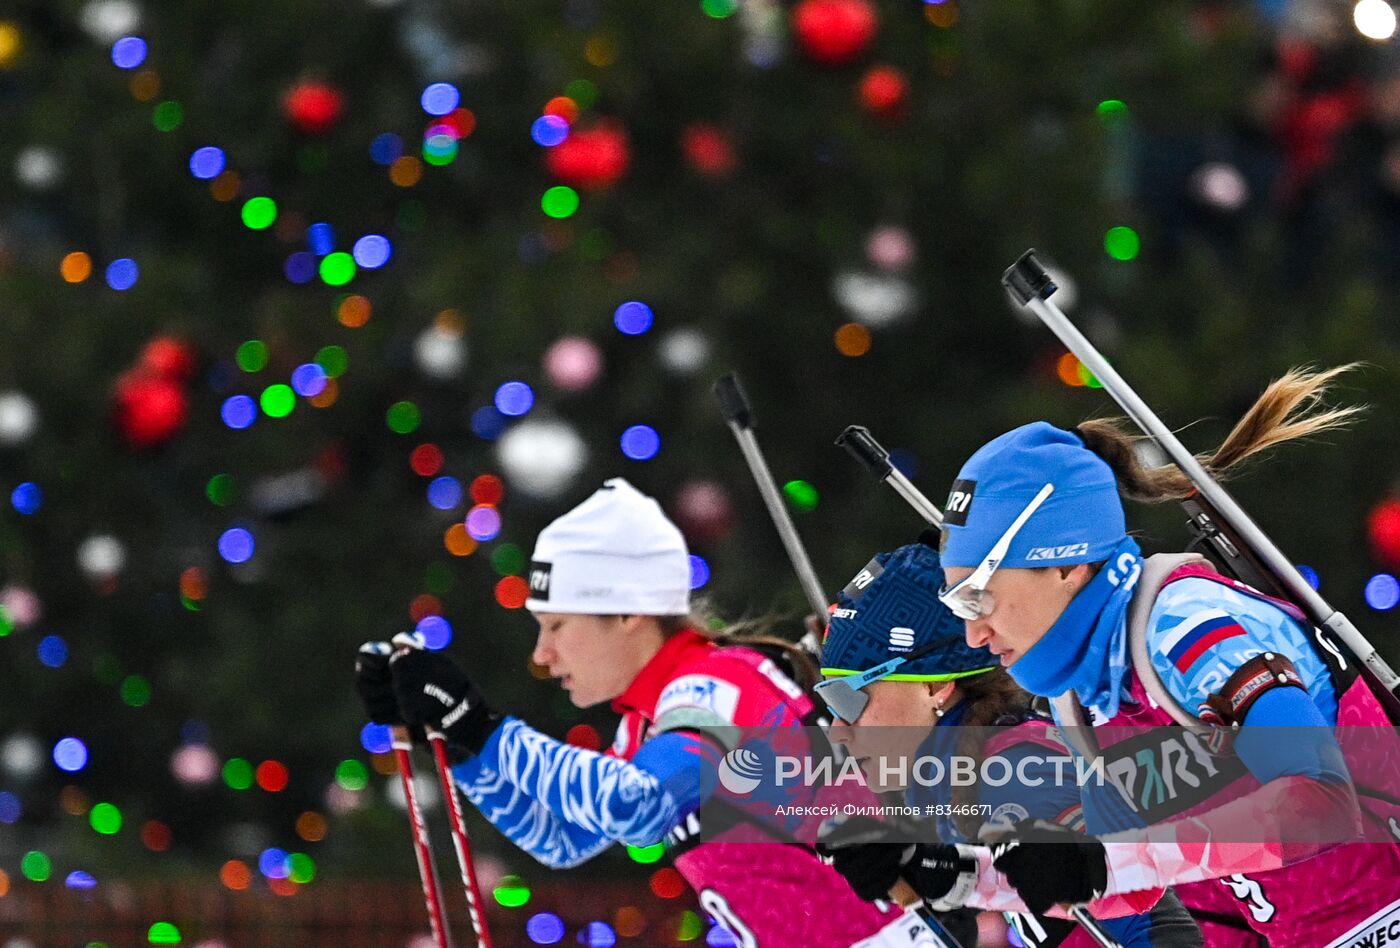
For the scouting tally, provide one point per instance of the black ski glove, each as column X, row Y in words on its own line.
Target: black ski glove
column 375, row 685
column 1049, row 864
column 434, row 693
column 872, row 868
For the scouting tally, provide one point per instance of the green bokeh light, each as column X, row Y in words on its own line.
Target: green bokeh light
column 440, row 150
column 560, row 202
column 221, row 490
column 168, row 116
column 35, row 866
column 403, row 417
column 106, row 819
column 719, row 9
column 337, row 269
column 135, row 690
column 1088, row 378
column 303, row 868
column 1112, row 110
column 278, row 400
column 7, row 625
column 259, row 213
column 689, row 928
column 333, row 360
column 238, row 773
column 801, row 494
column 646, row 855
column 439, row 578
column 512, row 892
column 351, row 775
column 163, row 933
column 190, row 605
column 508, row 559
column 583, row 92
column 1122, row 243
column 252, row 356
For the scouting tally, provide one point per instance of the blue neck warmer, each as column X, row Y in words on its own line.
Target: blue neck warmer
column 1086, row 649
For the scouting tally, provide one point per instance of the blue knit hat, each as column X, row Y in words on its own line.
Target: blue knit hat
column 890, row 609
column 1080, row 522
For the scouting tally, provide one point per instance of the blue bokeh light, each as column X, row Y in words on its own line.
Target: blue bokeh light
column 376, row 739
column 207, row 162
column 720, row 937
column 300, row 267
column 440, row 98
column 274, row 863
column 27, row 498
column 436, row 632
column 1309, row 574
column 236, row 545
column 239, row 411
column 633, row 318
column 70, row 754
column 123, row 273
column 320, row 238
column 546, row 928
column 78, row 879
column 598, row 935
column 52, row 651
column 514, row 399
column 699, row 571
column 641, row 442
column 1383, row 592
column 549, row 130
column 129, row 52
column 385, row 148
column 445, row 492
column 488, row 423
column 372, row 251
column 308, row 380
column 483, row 523
column 10, row 809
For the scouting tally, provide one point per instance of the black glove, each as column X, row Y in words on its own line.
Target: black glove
column 375, row 685
column 434, row 693
column 1049, row 864
column 872, row 867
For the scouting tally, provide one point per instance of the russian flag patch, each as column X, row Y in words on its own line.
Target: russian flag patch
column 1194, row 637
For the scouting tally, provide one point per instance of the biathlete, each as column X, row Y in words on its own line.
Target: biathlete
column 1039, row 565
column 906, row 687
column 610, row 589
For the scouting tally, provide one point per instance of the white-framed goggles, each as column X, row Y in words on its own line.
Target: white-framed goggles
column 846, row 697
column 969, row 599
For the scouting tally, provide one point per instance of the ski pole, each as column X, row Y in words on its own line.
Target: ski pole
column 460, row 841
column 734, row 403
column 1086, row 920
column 903, row 894
column 422, row 848
column 1031, row 286
column 862, row 446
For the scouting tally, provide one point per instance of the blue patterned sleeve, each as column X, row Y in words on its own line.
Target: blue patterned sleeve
column 565, row 804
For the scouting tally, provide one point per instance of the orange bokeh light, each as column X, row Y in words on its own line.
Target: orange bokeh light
column 76, row 267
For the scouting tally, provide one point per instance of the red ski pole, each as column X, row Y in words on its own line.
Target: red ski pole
column 460, row 841
column 403, row 744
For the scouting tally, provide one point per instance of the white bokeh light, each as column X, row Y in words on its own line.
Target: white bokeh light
column 1374, row 19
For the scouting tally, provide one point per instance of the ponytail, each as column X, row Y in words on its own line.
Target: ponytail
column 756, row 634
column 1290, row 408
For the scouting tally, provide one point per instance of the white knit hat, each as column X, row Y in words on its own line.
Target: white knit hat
column 613, row 554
